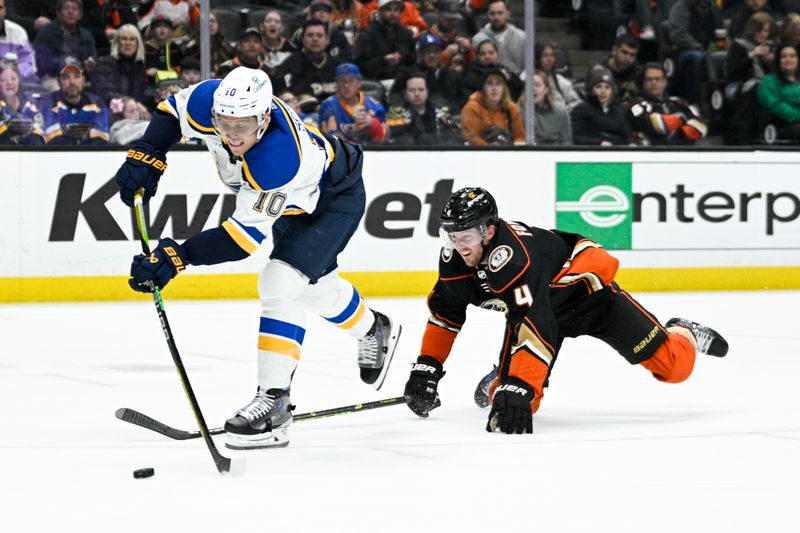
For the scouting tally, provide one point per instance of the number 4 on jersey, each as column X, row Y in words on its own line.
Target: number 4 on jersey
column 522, row 295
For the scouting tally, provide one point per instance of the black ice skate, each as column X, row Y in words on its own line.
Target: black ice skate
column 482, row 390
column 376, row 348
column 262, row 423
column 708, row 341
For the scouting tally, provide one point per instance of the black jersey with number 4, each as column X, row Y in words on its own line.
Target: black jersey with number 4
column 536, row 277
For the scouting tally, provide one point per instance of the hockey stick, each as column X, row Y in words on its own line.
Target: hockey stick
column 223, row 463
column 135, row 417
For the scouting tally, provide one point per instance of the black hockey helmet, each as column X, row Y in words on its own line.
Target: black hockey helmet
column 467, row 208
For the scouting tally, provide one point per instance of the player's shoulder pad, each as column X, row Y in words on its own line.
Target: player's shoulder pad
column 275, row 159
column 509, row 258
column 199, row 105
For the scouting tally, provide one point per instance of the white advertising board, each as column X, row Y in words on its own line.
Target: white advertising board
column 654, row 209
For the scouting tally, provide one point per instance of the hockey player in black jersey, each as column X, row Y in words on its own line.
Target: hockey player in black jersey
column 550, row 285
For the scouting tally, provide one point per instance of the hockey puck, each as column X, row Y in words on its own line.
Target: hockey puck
column 143, row 473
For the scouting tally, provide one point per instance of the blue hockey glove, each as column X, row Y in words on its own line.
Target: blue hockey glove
column 511, row 407
column 420, row 392
column 142, row 169
column 157, row 269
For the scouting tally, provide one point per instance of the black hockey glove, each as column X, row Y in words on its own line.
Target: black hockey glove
column 157, row 269
column 420, row 392
column 142, row 169
column 511, row 407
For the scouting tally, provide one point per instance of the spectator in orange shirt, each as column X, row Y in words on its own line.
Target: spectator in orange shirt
column 409, row 17
column 490, row 117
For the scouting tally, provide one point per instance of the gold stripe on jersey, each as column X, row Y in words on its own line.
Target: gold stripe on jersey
column 240, row 237
column 528, row 339
column 281, row 346
column 248, row 176
column 166, row 108
column 291, row 125
column 195, row 125
column 293, row 212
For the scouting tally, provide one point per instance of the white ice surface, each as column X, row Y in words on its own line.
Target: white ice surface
column 613, row 449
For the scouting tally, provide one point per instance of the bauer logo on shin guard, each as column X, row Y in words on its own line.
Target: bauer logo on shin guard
column 147, row 159
column 421, row 367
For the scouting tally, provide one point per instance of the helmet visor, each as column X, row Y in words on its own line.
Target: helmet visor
column 236, row 127
column 467, row 238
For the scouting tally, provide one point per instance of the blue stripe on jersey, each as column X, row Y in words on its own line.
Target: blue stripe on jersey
column 282, row 329
column 198, row 108
column 250, row 230
column 351, row 308
column 275, row 159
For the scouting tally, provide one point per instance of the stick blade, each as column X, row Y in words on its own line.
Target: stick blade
column 236, row 467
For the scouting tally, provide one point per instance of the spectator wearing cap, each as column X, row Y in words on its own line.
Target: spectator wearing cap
column 443, row 83
column 338, row 46
column 350, row 114
column 385, row 47
column 249, row 52
column 276, row 46
column 160, row 51
column 21, row 117
column 416, row 121
column 63, row 37
column 184, row 14
column 490, row 117
column 73, row 116
column 510, row 40
column 599, row 119
column 310, row 70
column 410, row 16
column 122, row 72
column 457, row 51
column 14, row 40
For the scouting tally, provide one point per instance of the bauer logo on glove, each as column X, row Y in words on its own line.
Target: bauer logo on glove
column 142, row 169
column 147, row 159
column 156, row 270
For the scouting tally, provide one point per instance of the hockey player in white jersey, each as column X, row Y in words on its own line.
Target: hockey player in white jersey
column 290, row 179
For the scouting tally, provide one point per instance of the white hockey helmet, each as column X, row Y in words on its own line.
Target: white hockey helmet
column 244, row 92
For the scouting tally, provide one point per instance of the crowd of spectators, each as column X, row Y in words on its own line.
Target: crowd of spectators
column 408, row 72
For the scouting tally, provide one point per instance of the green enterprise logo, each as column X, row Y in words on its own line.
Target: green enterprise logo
column 595, row 200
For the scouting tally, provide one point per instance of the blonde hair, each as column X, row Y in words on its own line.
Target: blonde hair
column 505, row 100
column 139, row 56
column 549, row 99
column 791, row 29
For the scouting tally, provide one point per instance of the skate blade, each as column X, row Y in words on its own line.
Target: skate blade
column 390, row 347
column 277, row 438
